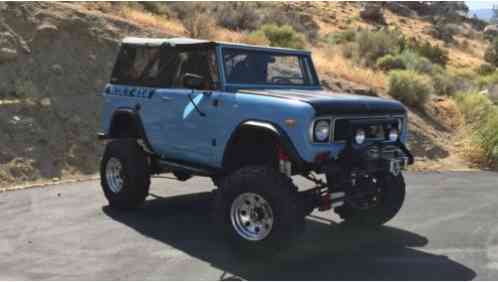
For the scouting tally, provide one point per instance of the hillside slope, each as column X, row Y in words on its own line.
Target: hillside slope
column 49, row 107
column 56, row 57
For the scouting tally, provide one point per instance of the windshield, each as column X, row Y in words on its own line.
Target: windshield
column 267, row 68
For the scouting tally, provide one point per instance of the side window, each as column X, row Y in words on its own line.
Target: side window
column 164, row 67
column 137, row 65
column 200, row 62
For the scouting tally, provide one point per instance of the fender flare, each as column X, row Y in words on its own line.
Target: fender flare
column 137, row 121
column 275, row 131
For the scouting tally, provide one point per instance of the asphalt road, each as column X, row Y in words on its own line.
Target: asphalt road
column 447, row 230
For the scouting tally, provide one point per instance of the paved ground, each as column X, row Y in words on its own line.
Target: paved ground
column 447, row 230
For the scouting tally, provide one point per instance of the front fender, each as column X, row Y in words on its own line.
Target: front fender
column 277, row 132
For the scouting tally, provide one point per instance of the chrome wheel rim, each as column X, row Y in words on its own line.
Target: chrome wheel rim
column 251, row 216
column 113, row 172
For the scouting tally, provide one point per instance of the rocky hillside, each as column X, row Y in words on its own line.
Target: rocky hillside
column 54, row 60
column 56, row 57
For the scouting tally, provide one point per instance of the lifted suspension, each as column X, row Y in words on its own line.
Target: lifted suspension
column 320, row 196
column 324, row 197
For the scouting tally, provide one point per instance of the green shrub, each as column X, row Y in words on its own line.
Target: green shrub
column 237, row 15
column 482, row 116
column 372, row 45
column 442, row 82
column 435, row 54
column 474, row 106
column 414, row 61
column 491, row 53
column 409, row 87
column 464, row 80
column 487, row 80
column 283, row 36
column 301, row 22
column 488, row 134
column 390, row 62
column 340, row 37
column 486, row 69
column 444, row 31
column 255, row 38
column 466, row 73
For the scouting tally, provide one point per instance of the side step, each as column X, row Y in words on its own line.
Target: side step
column 173, row 166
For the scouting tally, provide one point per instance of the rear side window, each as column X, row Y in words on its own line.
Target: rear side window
column 164, row 67
column 137, row 66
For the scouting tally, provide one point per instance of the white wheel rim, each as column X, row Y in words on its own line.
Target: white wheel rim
column 251, row 216
column 113, row 173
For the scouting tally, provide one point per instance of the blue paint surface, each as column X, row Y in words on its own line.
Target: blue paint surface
column 176, row 130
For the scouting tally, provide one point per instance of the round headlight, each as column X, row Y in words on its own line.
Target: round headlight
column 393, row 135
column 322, row 131
column 360, row 136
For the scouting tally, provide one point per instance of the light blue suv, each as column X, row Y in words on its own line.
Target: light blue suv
column 249, row 117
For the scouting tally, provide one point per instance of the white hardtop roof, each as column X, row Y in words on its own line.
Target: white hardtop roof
column 160, row 41
column 190, row 41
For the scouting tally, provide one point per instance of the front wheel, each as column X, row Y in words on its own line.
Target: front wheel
column 379, row 208
column 257, row 210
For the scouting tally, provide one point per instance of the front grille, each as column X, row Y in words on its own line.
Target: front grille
column 376, row 130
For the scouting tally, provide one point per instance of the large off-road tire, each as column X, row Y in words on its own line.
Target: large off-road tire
column 391, row 198
column 124, row 174
column 257, row 210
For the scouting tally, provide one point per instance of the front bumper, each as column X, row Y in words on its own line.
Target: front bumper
column 378, row 157
column 368, row 159
column 374, row 155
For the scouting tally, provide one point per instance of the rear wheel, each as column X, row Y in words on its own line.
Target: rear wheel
column 124, row 174
column 257, row 210
column 379, row 208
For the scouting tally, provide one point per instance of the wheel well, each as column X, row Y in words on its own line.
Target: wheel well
column 251, row 146
column 124, row 125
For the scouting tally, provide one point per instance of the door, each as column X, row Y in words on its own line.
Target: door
column 198, row 108
column 189, row 118
column 203, row 130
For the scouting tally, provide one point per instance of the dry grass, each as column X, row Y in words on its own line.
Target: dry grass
column 330, row 61
column 149, row 20
column 446, row 111
column 346, row 16
column 469, row 150
column 199, row 25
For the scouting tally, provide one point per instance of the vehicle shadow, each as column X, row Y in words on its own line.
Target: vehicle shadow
column 326, row 251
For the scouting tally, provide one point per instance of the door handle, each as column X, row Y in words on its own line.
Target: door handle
column 166, row 98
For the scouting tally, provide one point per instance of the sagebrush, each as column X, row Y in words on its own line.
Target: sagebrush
column 409, row 87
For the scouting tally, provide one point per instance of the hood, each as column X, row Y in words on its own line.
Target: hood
column 325, row 102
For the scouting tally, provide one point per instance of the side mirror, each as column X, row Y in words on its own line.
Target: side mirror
column 192, row 81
